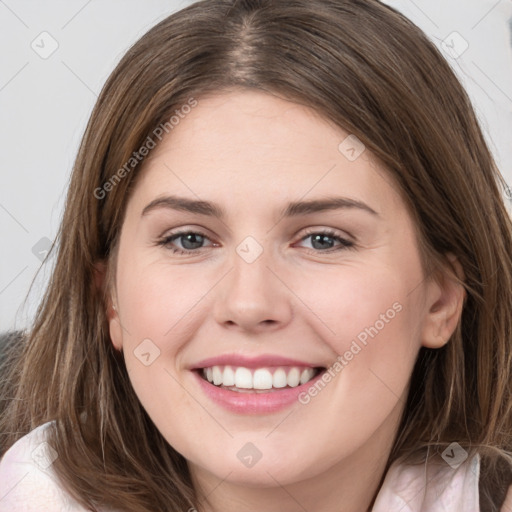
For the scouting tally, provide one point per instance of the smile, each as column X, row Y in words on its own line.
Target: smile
column 256, row 391
column 242, row 379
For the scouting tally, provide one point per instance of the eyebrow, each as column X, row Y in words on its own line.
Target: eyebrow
column 292, row 209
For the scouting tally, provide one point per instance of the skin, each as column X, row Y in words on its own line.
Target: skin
column 252, row 153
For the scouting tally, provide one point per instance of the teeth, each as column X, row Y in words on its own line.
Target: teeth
column 279, row 378
column 243, row 378
column 293, row 378
column 217, row 375
column 228, row 377
column 305, row 376
column 261, row 378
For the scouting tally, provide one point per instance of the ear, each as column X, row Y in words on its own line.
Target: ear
column 445, row 300
column 100, row 273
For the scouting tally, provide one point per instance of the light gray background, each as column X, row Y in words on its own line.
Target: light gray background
column 45, row 104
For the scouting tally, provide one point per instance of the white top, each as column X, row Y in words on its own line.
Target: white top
column 28, row 483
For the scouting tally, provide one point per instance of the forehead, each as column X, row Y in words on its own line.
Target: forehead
column 249, row 144
column 249, row 123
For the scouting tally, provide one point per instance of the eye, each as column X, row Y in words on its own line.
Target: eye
column 322, row 240
column 191, row 241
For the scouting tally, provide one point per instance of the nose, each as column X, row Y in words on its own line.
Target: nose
column 254, row 296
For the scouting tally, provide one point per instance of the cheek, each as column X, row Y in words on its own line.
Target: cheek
column 157, row 297
column 159, row 304
column 370, row 316
column 348, row 299
column 155, row 302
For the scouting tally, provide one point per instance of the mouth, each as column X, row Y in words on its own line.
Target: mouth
column 267, row 379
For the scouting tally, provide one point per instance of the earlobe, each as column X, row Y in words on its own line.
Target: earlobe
column 114, row 325
column 116, row 335
column 445, row 301
column 100, row 270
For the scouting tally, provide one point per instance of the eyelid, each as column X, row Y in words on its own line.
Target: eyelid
column 186, row 229
column 331, row 231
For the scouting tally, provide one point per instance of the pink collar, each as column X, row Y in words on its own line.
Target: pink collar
column 436, row 487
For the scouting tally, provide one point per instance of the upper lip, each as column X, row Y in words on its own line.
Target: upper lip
column 251, row 362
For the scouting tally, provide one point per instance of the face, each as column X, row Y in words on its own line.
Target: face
column 278, row 294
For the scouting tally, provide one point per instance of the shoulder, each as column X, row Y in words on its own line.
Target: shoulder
column 27, row 481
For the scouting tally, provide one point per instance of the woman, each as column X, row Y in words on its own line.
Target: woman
column 369, row 370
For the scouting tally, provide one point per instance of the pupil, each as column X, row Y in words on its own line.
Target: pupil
column 187, row 238
column 321, row 239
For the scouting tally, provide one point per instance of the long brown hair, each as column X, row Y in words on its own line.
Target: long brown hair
column 372, row 72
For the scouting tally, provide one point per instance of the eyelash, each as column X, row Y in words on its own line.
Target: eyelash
column 345, row 244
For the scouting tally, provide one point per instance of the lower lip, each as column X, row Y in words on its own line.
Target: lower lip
column 254, row 403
